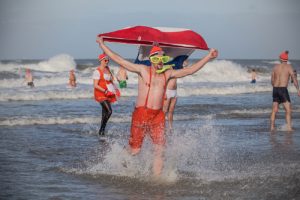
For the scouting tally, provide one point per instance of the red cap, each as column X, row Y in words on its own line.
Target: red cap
column 102, row 56
column 284, row 56
column 154, row 50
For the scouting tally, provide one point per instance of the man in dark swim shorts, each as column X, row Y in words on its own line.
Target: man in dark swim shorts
column 280, row 79
column 281, row 95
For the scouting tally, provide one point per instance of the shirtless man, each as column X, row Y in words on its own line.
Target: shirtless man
column 148, row 116
column 122, row 77
column 72, row 78
column 280, row 79
column 253, row 76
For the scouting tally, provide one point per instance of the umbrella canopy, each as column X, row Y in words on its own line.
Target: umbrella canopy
column 164, row 36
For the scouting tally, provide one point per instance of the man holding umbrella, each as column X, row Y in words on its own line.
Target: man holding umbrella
column 148, row 116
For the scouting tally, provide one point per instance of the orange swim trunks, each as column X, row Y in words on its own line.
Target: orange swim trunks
column 147, row 121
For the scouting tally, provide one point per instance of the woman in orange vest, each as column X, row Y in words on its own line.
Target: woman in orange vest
column 105, row 91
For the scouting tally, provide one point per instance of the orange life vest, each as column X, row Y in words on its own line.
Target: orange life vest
column 99, row 95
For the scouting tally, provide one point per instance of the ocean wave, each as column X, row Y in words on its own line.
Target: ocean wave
column 45, row 95
column 275, row 62
column 247, row 111
column 121, row 118
column 23, row 121
column 58, row 63
column 223, row 71
column 226, row 90
column 116, row 118
column 27, row 94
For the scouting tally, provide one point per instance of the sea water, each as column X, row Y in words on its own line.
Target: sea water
column 221, row 147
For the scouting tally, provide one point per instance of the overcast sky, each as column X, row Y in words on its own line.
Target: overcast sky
column 240, row 29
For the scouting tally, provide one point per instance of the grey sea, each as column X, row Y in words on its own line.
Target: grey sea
column 221, row 147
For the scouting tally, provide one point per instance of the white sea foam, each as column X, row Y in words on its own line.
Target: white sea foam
column 225, row 90
column 45, row 81
column 45, row 95
column 39, row 120
column 274, row 62
column 191, row 152
column 220, row 77
column 247, row 111
column 58, row 63
column 22, row 121
column 222, row 71
column 23, row 94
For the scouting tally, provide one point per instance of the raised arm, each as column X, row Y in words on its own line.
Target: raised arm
column 118, row 59
column 213, row 53
column 295, row 81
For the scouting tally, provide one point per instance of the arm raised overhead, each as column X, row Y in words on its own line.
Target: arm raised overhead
column 118, row 59
column 213, row 53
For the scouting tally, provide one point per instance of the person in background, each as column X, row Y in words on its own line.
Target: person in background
column 72, row 78
column 104, row 91
column 253, row 76
column 295, row 74
column 170, row 102
column 280, row 79
column 122, row 77
column 171, row 99
column 29, row 78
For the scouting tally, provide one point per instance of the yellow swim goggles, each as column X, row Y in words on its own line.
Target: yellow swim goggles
column 157, row 59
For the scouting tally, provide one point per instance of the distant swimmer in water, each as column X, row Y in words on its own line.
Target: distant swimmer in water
column 29, row 78
column 280, row 79
column 148, row 116
column 295, row 74
column 122, row 77
column 72, row 78
column 105, row 91
column 253, row 76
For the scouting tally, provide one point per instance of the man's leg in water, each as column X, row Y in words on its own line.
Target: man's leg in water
column 273, row 115
column 157, row 134
column 166, row 108
column 171, row 112
column 137, row 135
column 288, row 111
column 158, row 160
column 166, row 105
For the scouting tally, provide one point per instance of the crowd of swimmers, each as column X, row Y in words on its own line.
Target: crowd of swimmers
column 121, row 77
column 29, row 78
